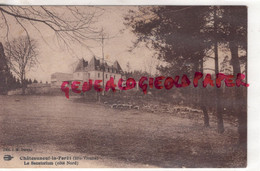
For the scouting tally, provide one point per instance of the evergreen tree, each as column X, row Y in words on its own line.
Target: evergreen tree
column 7, row 80
column 180, row 37
column 35, row 81
column 184, row 36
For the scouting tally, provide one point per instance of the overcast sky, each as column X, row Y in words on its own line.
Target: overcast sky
column 55, row 58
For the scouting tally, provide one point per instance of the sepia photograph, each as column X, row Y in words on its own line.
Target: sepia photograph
column 123, row 86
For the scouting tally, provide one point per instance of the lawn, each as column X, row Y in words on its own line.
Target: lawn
column 129, row 137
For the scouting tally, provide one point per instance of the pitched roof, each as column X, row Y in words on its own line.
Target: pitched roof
column 96, row 64
column 117, row 66
column 81, row 65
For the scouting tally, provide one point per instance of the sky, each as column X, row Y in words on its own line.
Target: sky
column 54, row 57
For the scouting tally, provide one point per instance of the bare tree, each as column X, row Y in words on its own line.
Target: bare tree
column 21, row 54
column 70, row 23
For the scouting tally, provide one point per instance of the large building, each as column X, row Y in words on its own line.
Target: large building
column 93, row 70
column 57, row 78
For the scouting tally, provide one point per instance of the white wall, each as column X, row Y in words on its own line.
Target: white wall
column 94, row 76
column 78, row 75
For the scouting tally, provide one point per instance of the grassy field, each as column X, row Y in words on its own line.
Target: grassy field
column 126, row 138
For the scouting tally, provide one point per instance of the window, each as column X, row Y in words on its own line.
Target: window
column 106, row 75
column 88, row 75
column 98, row 75
column 114, row 77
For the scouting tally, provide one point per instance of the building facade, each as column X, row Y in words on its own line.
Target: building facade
column 58, row 77
column 94, row 70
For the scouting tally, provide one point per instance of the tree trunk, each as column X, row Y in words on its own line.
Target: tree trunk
column 240, row 100
column 206, row 115
column 203, row 100
column 218, row 90
column 23, row 83
column 218, row 93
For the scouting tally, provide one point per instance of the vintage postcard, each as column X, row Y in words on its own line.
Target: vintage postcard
column 123, row 86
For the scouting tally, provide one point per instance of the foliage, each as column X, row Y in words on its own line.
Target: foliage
column 184, row 37
column 178, row 34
